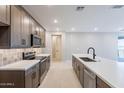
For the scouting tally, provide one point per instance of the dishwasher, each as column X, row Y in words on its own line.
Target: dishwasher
column 89, row 79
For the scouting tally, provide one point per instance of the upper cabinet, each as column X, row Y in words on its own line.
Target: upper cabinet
column 16, row 27
column 18, row 34
column 36, row 29
column 25, row 32
column 4, row 15
column 42, row 35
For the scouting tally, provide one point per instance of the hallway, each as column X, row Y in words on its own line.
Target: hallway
column 60, row 75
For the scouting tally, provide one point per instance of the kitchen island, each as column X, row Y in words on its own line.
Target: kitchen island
column 108, row 73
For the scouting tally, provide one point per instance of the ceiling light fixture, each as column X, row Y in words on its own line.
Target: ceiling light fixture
column 72, row 29
column 96, row 29
column 121, row 29
column 55, row 21
column 57, row 29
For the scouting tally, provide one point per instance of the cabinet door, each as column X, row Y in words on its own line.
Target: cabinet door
column 8, row 14
column 25, row 32
column 28, row 79
column 77, row 69
column 42, row 35
column 3, row 13
column 81, row 74
column 16, row 24
column 101, row 84
column 47, row 63
column 73, row 62
column 32, row 26
column 35, row 75
column 37, row 30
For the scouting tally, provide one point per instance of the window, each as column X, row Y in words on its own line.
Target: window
column 121, row 48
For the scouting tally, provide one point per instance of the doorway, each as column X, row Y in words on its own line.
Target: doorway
column 56, row 48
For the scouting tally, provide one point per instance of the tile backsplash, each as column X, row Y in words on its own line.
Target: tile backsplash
column 8, row 56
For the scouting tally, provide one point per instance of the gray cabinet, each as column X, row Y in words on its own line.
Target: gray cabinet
column 42, row 35
column 79, row 69
column 25, row 32
column 81, row 74
column 74, row 63
column 28, row 79
column 35, row 76
column 101, row 84
column 86, row 77
column 20, row 33
column 36, row 29
column 32, row 77
column 16, row 27
column 20, row 78
column 32, row 26
column 4, row 15
column 44, row 67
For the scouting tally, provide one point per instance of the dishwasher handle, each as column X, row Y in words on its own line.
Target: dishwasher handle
column 89, row 73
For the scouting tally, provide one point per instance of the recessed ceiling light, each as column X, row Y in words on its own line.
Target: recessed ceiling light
column 72, row 29
column 57, row 29
column 121, row 29
column 96, row 29
column 55, row 21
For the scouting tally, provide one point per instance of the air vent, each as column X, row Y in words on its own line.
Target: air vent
column 118, row 6
column 80, row 8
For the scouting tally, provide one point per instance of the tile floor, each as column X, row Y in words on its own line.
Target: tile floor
column 60, row 75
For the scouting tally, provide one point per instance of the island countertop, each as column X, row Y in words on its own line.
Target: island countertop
column 111, row 72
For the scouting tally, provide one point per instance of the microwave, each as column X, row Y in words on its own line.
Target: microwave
column 35, row 41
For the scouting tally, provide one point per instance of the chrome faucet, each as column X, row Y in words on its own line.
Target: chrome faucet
column 93, row 51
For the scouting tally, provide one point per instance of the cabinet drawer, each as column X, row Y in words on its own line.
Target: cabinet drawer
column 101, row 84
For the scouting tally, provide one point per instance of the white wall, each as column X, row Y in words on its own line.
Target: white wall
column 105, row 43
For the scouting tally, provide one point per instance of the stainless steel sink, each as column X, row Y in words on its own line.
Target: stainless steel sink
column 86, row 59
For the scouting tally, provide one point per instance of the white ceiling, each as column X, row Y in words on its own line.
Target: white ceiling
column 94, row 18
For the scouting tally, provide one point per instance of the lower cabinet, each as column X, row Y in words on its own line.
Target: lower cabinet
column 28, row 79
column 32, row 77
column 19, row 78
column 74, row 63
column 12, row 79
column 101, row 84
column 44, row 67
column 79, row 69
column 86, row 77
column 81, row 74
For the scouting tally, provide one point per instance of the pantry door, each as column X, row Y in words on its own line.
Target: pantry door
column 56, row 48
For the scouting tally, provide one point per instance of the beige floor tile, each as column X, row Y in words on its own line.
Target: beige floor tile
column 60, row 75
